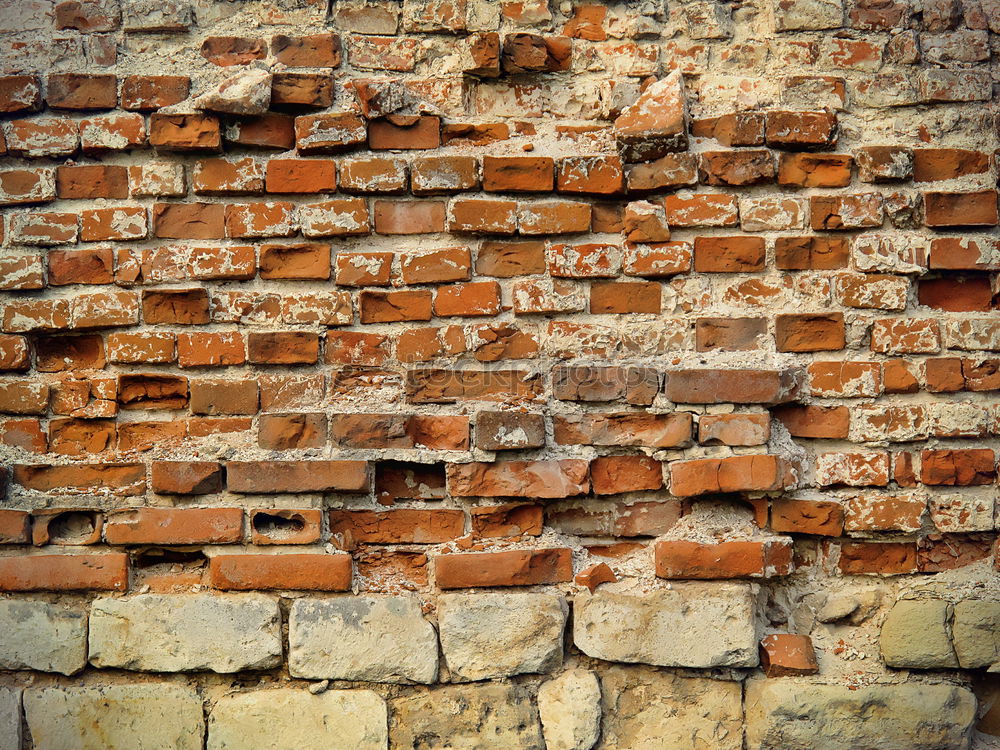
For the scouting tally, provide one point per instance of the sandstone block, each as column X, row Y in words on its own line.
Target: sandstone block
column 186, row 633
column 42, row 636
column 793, row 713
column 149, row 716
column 976, row 633
column 497, row 635
column 297, row 720
column 646, row 708
column 570, row 710
column 688, row 625
column 800, row 15
column 915, row 635
column 467, row 717
column 10, row 719
column 378, row 639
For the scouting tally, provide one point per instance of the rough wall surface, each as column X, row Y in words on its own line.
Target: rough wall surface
column 469, row 374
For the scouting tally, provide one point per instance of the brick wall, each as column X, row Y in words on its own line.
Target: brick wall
column 488, row 374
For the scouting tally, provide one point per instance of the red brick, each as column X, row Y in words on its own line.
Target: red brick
column 403, row 526
column 404, row 133
column 99, row 572
column 472, row 299
column 961, row 209
column 811, row 253
column 301, row 176
column 736, row 168
column 270, row 130
column 933, row 164
column 15, row 527
column 612, row 475
column 701, row 210
column 965, row 467
column 195, row 221
column 271, row 477
column 317, row 134
column 878, row 512
column 284, row 526
column 409, row 217
column 787, row 655
column 146, row 93
column 684, row 559
column 293, row 571
column 733, row 474
column 80, row 266
column 224, row 396
column 831, row 422
column 814, row 170
column 311, row 51
column 82, row 91
column 20, row 93
column 175, row 306
column 174, row 526
column 593, row 175
column 283, row 347
column 625, row 297
column 800, row 130
column 301, row 90
column 392, row 307
column 184, row 132
column 97, row 181
column 732, row 386
column 835, row 212
column 186, row 477
column 511, row 568
column 482, row 216
column 121, row 479
column 532, row 53
column 810, row 332
column 729, row 254
column 142, row 391
column 817, row 517
column 233, row 50
column 864, row 558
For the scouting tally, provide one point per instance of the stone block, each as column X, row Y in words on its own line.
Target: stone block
column 297, row 720
column 689, row 625
column 497, row 635
column 794, row 713
column 186, row 633
column 373, row 638
column 42, row 636
column 149, row 716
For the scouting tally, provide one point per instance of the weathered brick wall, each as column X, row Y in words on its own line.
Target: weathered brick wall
column 471, row 374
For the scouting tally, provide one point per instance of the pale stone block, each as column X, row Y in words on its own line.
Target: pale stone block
column 10, row 719
column 372, row 638
column 789, row 713
column 497, row 635
column 915, row 635
column 289, row 719
column 645, row 709
column 976, row 633
column 150, row 716
column 42, row 636
column 570, row 709
column 481, row 716
column 186, row 632
column 688, row 625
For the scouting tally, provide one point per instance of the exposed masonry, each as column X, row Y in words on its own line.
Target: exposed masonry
column 484, row 374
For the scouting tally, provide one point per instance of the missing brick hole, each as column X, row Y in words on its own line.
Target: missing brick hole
column 177, row 560
column 277, row 525
column 72, row 527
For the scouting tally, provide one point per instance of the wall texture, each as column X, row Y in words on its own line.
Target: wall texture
column 468, row 374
